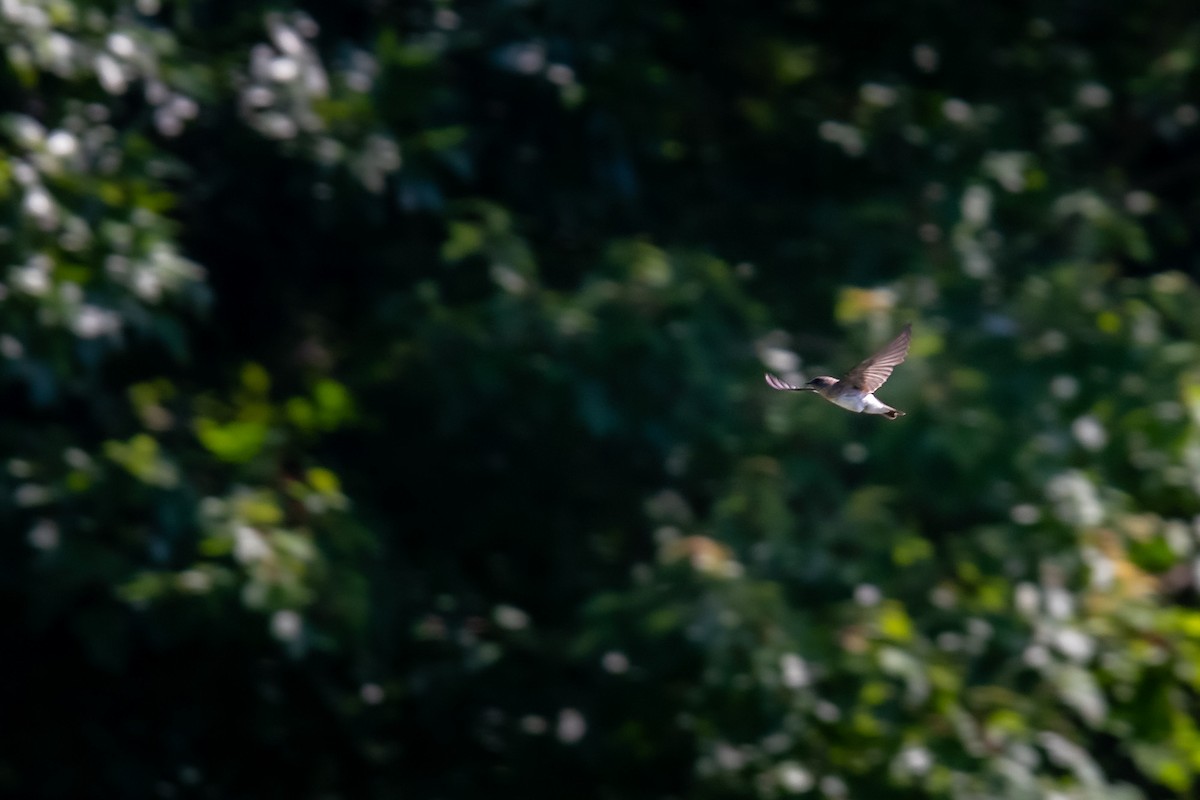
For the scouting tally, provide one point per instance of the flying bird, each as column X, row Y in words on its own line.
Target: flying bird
column 856, row 390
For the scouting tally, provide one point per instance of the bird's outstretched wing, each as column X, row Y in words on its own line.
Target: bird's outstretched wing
column 782, row 386
column 872, row 373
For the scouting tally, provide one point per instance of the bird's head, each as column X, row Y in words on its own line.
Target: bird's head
column 819, row 383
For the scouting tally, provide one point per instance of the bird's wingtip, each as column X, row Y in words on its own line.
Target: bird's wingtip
column 776, row 383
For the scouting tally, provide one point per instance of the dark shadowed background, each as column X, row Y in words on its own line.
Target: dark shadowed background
column 383, row 411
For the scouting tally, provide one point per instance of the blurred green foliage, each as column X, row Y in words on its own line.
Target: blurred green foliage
column 383, row 402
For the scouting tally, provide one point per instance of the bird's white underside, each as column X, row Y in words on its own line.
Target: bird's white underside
column 864, row 404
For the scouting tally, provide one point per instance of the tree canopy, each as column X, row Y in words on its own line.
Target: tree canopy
column 383, row 410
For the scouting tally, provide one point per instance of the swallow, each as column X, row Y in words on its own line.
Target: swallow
column 856, row 389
